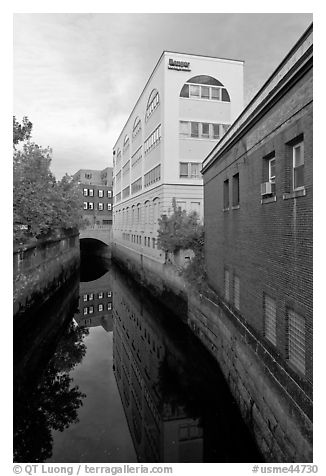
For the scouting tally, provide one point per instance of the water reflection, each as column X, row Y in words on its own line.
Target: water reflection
column 48, row 345
column 176, row 401
column 103, row 374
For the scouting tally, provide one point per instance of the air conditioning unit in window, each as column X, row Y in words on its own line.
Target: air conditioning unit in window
column 266, row 188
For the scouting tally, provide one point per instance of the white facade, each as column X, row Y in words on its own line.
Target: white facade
column 186, row 106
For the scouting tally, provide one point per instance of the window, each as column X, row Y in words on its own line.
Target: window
column 204, row 92
column 216, row 131
column 194, row 91
column 298, row 166
column 85, row 192
column 100, row 206
column 109, row 294
column 216, row 94
column 204, row 87
column 236, row 292
column 109, row 206
column 205, row 130
column 91, row 297
column 100, row 295
column 91, row 309
column 136, row 158
column 109, row 193
column 181, row 205
column 126, row 192
column 270, row 319
column 153, row 140
column 101, row 193
column 296, row 340
column 189, row 170
column 85, row 297
column 194, row 129
column 226, row 199
column 153, row 102
column 91, row 206
column 85, row 311
column 136, row 186
column 184, row 128
column 126, row 144
column 109, row 306
column 235, row 190
column 88, row 176
column 136, row 128
column 152, row 176
column 85, row 205
column 100, row 307
column 91, row 192
column 227, row 285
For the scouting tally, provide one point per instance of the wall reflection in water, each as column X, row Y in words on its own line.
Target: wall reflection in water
column 176, row 401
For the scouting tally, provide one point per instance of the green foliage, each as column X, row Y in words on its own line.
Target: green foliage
column 41, row 204
column 179, row 231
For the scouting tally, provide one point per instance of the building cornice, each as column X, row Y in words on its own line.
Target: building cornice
column 295, row 64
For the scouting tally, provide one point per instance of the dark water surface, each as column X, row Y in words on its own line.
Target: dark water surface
column 102, row 373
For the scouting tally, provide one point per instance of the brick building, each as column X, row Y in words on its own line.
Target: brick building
column 96, row 186
column 258, row 221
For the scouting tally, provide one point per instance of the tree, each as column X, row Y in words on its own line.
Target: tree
column 182, row 230
column 41, row 204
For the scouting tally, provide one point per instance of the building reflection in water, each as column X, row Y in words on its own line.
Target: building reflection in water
column 177, row 405
column 95, row 303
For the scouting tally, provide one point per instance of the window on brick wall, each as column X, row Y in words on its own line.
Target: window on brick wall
column 270, row 319
column 296, row 340
column 226, row 284
column 235, row 190
column 85, row 205
column 91, row 192
column 85, row 192
column 298, row 166
column 236, row 292
column 226, row 199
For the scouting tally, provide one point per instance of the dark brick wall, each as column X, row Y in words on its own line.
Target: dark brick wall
column 268, row 246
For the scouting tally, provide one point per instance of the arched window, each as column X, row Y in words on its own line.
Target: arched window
column 156, row 210
column 147, row 204
column 126, row 144
column 152, row 104
column 205, row 87
column 138, row 212
column 118, row 163
column 137, row 127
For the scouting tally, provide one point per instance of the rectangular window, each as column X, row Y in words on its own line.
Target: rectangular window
column 194, row 170
column 85, row 297
column 101, row 193
column 183, row 169
column 236, row 292
column 85, row 192
column 205, row 130
column 91, row 309
column 109, row 206
column 205, row 92
column 100, row 295
column 100, row 206
column 184, row 128
column 296, row 340
column 85, row 311
column 216, row 131
column 91, row 192
column 226, row 199
column 194, row 91
column 235, row 190
column 194, row 129
column 100, row 307
column 216, row 94
column 298, row 166
column 227, row 285
column 109, row 306
column 91, row 206
column 109, row 193
column 85, row 205
column 181, row 205
column 270, row 319
column 109, row 294
column 91, row 297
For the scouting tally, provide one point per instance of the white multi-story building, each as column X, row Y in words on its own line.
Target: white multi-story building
column 187, row 104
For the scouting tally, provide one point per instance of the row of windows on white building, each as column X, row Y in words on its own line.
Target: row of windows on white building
column 295, row 323
column 89, row 192
column 100, row 295
column 100, row 206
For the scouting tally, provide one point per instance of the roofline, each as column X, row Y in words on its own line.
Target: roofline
column 155, row 67
column 209, row 159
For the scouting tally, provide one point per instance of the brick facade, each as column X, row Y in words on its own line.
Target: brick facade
column 266, row 240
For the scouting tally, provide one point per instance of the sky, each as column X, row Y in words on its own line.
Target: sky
column 77, row 76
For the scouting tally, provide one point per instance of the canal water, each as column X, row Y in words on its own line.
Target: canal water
column 103, row 374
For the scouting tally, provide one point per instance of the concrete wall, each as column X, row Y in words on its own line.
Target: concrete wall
column 41, row 268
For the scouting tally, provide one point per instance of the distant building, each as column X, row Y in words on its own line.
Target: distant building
column 186, row 106
column 258, row 220
column 96, row 186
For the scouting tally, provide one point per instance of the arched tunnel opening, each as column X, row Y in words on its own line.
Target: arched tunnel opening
column 94, row 259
